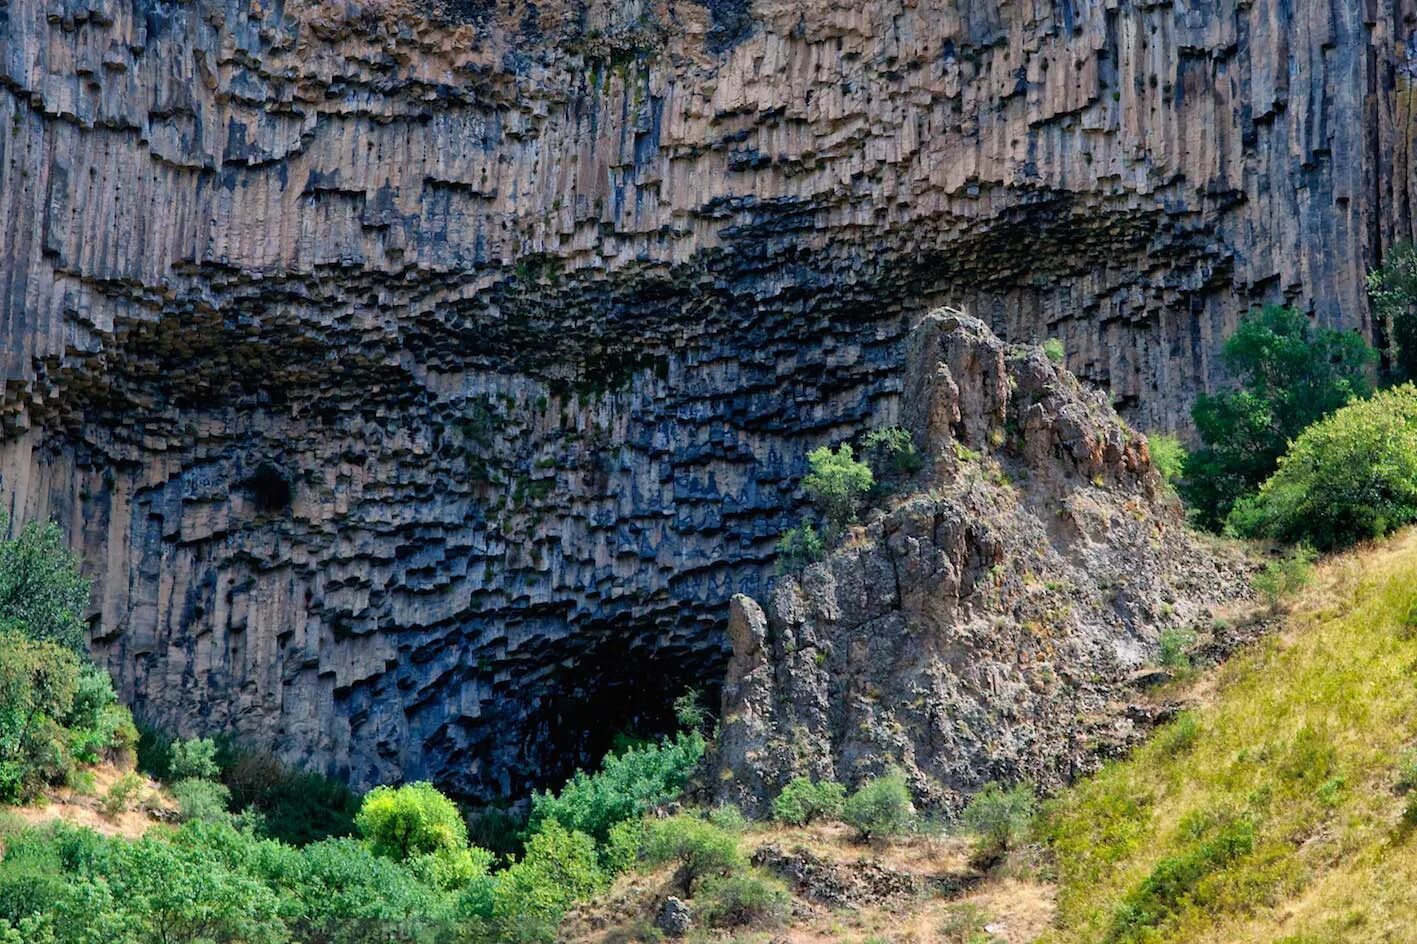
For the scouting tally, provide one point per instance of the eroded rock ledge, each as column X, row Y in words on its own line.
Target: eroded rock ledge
column 988, row 628
column 420, row 391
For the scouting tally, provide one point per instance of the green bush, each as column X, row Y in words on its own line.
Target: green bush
column 1172, row 653
column 1393, row 288
column 627, row 785
column 881, row 807
column 194, row 759
column 804, row 800
column 1169, row 457
column 1174, row 881
column 38, row 681
column 744, row 898
column 999, row 819
column 121, row 794
column 1292, row 374
column 700, row 848
column 41, row 591
column 1345, row 479
column 1054, row 350
column 836, row 482
column 1286, row 576
column 294, row 806
column 799, row 547
column 891, row 454
column 529, row 899
column 202, row 800
column 415, row 819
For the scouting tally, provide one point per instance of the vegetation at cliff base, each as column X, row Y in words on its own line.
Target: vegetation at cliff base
column 1279, row 809
column 1393, row 289
column 1292, row 374
column 1347, row 478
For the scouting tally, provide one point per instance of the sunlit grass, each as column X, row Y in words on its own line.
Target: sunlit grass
column 1271, row 813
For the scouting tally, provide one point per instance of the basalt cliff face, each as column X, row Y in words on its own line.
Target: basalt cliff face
column 419, row 389
column 993, row 625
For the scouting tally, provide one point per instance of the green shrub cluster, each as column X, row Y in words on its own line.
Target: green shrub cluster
column 804, row 800
column 1393, row 289
column 1348, row 478
column 1291, row 374
column 881, row 807
column 57, row 711
column 627, row 785
column 836, row 482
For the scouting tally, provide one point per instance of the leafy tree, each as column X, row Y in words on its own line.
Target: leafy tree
column 530, row 898
column 881, row 807
column 804, row 800
column 627, row 785
column 41, row 591
column 1393, row 289
column 1292, row 374
column 836, row 482
column 415, row 819
column 701, row 849
column 1346, row 479
column 999, row 818
column 38, row 680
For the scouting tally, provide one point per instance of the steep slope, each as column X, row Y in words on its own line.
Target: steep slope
column 387, row 368
column 987, row 627
column 1273, row 811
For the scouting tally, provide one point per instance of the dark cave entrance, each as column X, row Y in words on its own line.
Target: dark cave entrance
column 621, row 689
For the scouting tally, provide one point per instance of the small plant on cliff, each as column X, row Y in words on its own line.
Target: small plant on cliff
column 1346, row 479
column 881, row 807
column 1169, row 457
column 799, row 547
column 415, row 819
column 836, row 482
column 892, row 455
column 1393, row 288
column 1054, row 350
column 804, row 800
column 1292, row 374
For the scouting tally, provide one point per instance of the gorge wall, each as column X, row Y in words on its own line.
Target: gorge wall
column 418, row 390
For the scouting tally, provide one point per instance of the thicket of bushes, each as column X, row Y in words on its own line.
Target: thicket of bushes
column 1304, row 452
column 58, row 712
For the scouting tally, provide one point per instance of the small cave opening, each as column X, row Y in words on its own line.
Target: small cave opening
column 620, row 690
column 268, row 489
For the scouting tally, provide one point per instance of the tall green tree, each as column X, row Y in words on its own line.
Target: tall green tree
column 41, row 590
column 1291, row 374
column 1393, row 289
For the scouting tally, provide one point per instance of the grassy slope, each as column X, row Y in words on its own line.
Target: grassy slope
column 1272, row 811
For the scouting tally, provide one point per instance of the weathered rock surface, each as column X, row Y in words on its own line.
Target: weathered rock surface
column 990, row 627
column 419, row 392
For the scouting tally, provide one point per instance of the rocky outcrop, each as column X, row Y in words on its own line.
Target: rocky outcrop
column 989, row 626
column 419, row 387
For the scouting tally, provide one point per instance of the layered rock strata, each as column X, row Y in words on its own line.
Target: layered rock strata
column 990, row 626
column 420, row 383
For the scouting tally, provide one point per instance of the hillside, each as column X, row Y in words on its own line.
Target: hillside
column 1273, row 810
